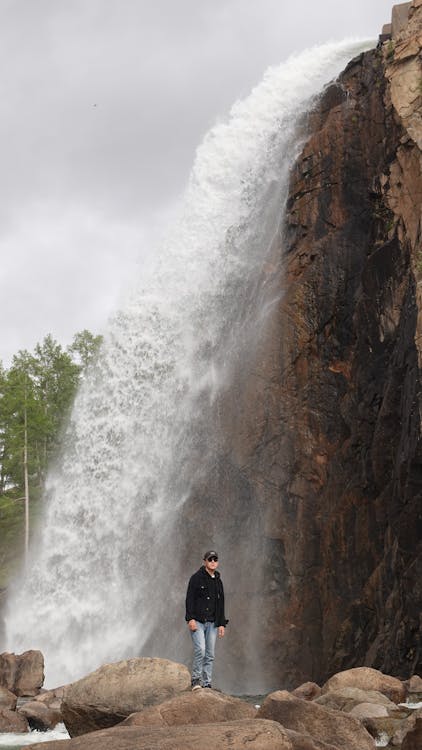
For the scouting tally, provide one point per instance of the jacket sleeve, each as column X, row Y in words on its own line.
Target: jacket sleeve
column 225, row 621
column 222, row 618
column 190, row 600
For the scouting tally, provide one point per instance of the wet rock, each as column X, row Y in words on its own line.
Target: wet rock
column 198, row 707
column 11, row 721
column 366, row 678
column 324, row 724
column 108, row 695
column 22, row 674
column 40, row 716
column 308, row 691
column 7, row 699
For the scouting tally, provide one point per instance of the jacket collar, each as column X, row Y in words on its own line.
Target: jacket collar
column 205, row 573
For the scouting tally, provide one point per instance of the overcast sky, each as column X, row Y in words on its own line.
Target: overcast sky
column 103, row 103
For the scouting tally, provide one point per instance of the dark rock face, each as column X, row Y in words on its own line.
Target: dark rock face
column 349, row 397
column 322, row 457
column 348, row 517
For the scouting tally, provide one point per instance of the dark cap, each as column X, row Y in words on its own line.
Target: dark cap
column 210, row 553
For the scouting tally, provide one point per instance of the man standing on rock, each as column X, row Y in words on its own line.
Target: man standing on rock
column 205, row 617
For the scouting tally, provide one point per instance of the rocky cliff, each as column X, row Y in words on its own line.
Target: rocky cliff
column 323, row 452
column 342, row 437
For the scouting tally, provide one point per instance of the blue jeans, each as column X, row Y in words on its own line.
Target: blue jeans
column 203, row 638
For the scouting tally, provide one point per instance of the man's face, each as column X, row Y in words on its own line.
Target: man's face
column 211, row 564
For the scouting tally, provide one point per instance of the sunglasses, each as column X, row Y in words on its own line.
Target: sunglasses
column 213, row 558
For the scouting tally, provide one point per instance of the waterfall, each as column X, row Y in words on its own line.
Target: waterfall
column 108, row 573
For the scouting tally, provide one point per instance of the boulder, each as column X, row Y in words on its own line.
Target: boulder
column 308, row 691
column 384, row 726
column 249, row 734
column 22, row 674
column 7, row 699
column 40, row 716
column 405, row 727
column 367, row 678
column 11, row 721
column 344, row 699
column 368, row 711
column 114, row 691
column 307, row 717
column 413, row 739
column 414, row 685
column 198, row 707
column 306, row 742
column 51, row 698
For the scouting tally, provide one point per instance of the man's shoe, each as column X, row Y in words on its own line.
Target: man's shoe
column 196, row 684
column 207, row 686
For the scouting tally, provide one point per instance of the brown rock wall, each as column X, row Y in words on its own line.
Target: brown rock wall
column 342, row 491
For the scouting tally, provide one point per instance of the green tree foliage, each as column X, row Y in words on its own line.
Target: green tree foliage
column 36, row 395
column 85, row 347
column 20, row 421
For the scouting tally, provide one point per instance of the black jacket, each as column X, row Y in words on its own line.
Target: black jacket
column 196, row 597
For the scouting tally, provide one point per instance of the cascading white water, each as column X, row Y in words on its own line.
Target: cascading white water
column 135, row 444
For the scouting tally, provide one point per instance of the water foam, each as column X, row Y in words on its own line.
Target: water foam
column 10, row 740
column 138, row 440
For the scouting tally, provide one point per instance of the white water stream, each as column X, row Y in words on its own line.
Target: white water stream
column 101, row 573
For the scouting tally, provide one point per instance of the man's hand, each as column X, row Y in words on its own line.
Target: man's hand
column 192, row 625
column 221, row 631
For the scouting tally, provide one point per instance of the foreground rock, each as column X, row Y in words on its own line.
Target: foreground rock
column 10, row 721
column 199, row 707
column 321, row 723
column 7, row 699
column 22, row 674
column 366, row 678
column 40, row 716
column 114, row 691
column 250, row 734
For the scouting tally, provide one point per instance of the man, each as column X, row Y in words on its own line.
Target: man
column 205, row 617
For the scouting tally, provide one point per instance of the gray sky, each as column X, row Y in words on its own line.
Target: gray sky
column 103, row 103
